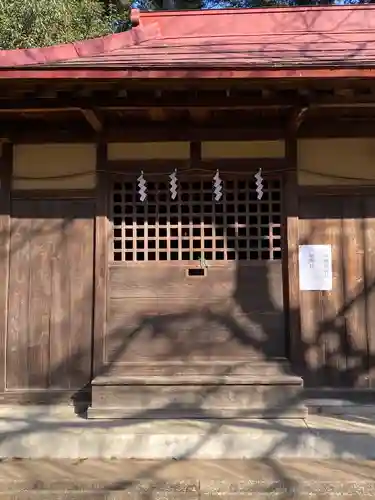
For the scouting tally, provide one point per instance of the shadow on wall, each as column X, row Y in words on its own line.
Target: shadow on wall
column 357, row 364
column 56, row 315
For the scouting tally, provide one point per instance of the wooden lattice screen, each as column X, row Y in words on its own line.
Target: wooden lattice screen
column 193, row 226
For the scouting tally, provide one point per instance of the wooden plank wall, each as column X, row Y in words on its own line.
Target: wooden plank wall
column 337, row 346
column 50, row 294
column 6, row 161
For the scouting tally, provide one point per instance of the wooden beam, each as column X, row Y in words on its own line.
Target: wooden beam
column 6, row 162
column 195, row 154
column 101, row 246
column 182, row 100
column 246, row 165
column 45, row 397
column 137, row 133
column 92, row 119
column 291, row 246
column 192, row 75
column 337, row 190
column 297, row 117
column 55, row 194
column 37, row 134
column 199, row 115
column 157, row 114
column 127, row 132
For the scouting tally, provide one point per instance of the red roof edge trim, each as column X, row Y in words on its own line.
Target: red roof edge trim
column 266, row 21
column 162, row 74
column 146, row 16
column 85, row 48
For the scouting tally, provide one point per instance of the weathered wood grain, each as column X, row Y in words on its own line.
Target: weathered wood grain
column 369, row 246
column 6, row 162
column 338, row 325
column 101, row 244
column 50, row 294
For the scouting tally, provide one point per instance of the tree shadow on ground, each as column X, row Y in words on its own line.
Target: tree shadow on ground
column 251, row 331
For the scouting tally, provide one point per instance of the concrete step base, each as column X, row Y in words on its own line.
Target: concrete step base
column 56, row 433
column 295, row 411
column 339, row 408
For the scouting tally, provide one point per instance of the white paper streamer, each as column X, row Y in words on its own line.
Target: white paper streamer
column 218, row 187
column 142, row 187
column 173, row 184
column 259, row 184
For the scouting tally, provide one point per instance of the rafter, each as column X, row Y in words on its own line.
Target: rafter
column 92, row 119
column 297, row 118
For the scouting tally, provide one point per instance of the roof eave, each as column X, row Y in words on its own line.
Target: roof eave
column 115, row 73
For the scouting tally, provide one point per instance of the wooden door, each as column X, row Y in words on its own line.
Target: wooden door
column 191, row 279
column 338, row 326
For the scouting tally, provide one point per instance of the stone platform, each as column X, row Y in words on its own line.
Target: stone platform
column 57, row 433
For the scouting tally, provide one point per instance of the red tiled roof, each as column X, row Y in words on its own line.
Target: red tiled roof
column 314, row 37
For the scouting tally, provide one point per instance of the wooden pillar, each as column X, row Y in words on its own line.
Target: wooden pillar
column 6, row 165
column 291, row 236
column 101, row 259
column 195, row 154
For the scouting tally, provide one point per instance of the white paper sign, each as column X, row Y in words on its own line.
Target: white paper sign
column 315, row 267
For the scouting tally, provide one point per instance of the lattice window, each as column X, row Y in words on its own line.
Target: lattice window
column 193, row 226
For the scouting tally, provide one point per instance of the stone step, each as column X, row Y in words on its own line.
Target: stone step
column 196, row 401
column 185, row 379
column 274, row 372
column 251, row 389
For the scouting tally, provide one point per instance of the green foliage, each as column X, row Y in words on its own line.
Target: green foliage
column 38, row 23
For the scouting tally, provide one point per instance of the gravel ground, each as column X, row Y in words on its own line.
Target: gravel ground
column 186, row 480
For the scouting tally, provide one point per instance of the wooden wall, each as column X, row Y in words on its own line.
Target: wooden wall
column 47, row 228
column 336, row 162
column 148, row 150
column 53, row 166
column 209, row 150
column 50, row 294
column 337, row 344
column 47, row 271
